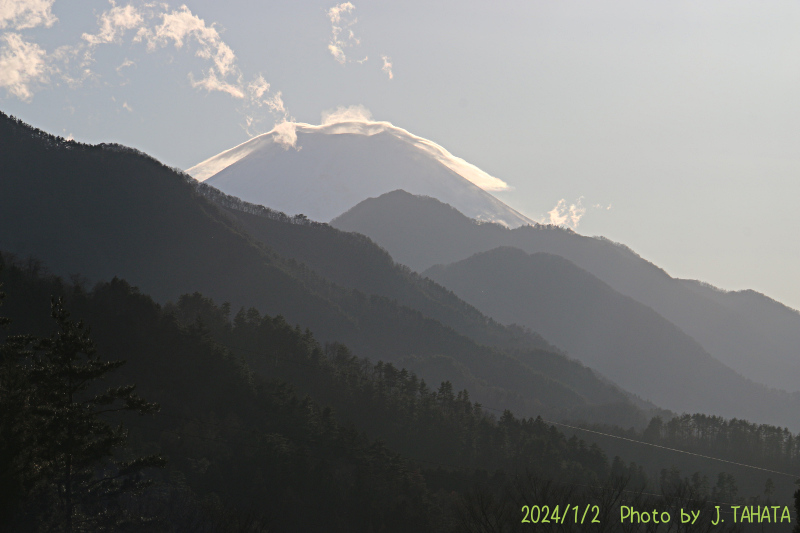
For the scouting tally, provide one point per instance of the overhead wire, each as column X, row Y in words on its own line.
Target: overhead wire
column 497, row 483
column 578, row 428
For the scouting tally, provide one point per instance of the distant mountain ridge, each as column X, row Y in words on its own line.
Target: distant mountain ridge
column 330, row 168
column 106, row 211
column 752, row 334
column 332, row 253
column 622, row 338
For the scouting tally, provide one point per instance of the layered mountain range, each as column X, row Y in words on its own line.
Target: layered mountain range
column 522, row 313
column 752, row 334
column 695, row 347
column 100, row 212
column 624, row 339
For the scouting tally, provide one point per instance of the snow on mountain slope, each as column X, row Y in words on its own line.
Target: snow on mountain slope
column 322, row 171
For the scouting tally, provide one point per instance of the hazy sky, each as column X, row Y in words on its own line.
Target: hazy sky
column 672, row 127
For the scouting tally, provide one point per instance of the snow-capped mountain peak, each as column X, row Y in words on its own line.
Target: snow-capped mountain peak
column 323, row 170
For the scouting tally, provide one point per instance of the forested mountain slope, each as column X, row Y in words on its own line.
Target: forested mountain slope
column 353, row 260
column 244, row 442
column 624, row 339
column 106, row 211
column 754, row 335
column 264, row 429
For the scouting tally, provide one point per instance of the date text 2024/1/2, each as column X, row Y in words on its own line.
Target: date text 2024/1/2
column 544, row 515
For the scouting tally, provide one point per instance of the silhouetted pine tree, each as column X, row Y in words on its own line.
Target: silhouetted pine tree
column 10, row 488
column 797, row 508
column 72, row 477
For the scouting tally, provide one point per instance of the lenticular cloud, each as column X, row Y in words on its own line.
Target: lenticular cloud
column 323, row 170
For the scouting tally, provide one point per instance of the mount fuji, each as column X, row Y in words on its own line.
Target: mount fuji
column 322, row 171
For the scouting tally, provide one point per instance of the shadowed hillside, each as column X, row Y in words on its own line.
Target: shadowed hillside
column 756, row 336
column 106, row 211
column 624, row 339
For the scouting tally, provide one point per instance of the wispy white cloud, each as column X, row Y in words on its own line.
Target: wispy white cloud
column 24, row 14
column 182, row 26
column 275, row 103
column 261, row 105
column 213, row 83
column 570, row 215
column 125, row 64
column 184, row 29
column 387, row 66
column 337, row 53
column 69, row 63
column 25, row 66
column 358, row 119
column 285, row 134
column 566, row 215
column 258, row 87
column 22, row 66
column 335, row 13
column 354, row 113
column 114, row 23
column 256, row 91
column 159, row 27
column 127, row 107
column 72, row 64
column 28, row 66
column 342, row 35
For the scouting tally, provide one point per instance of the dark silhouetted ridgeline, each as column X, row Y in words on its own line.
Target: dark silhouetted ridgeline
column 730, row 325
column 625, row 340
column 105, row 211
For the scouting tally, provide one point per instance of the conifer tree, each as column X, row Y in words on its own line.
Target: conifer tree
column 16, row 457
column 10, row 448
column 796, row 528
column 78, row 478
column 3, row 320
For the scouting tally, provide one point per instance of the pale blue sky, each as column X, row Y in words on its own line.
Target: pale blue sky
column 684, row 117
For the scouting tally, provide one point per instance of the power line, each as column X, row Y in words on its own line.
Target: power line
column 365, row 378
column 673, row 449
column 497, row 483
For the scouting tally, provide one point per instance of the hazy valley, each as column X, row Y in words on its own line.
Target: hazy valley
column 404, row 359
